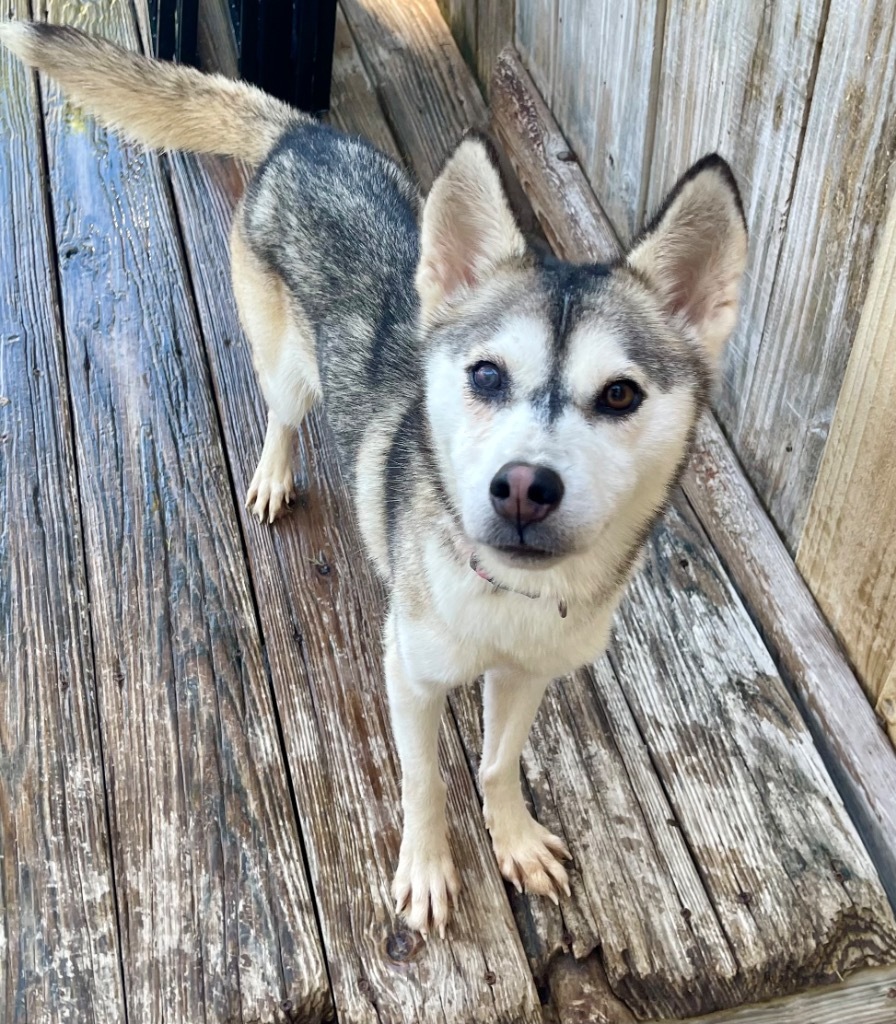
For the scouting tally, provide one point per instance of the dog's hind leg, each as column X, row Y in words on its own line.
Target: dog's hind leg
column 286, row 365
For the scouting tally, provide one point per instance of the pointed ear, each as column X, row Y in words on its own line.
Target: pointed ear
column 468, row 229
column 694, row 251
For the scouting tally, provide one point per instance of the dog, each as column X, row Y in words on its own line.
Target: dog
column 511, row 425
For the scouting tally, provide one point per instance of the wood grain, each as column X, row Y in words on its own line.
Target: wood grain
column 58, row 930
column 847, row 552
column 537, row 24
column 321, row 614
column 217, row 41
column 836, row 214
column 495, row 21
column 603, row 94
column 540, row 158
column 215, row 913
column 426, row 90
column 462, row 17
column 717, row 720
column 842, row 723
column 580, row 995
column 736, row 78
column 867, row 998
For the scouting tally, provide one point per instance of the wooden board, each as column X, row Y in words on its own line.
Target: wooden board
column 836, row 215
column 606, row 56
column 735, row 79
column 425, row 88
column 320, row 612
column 494, row 30
column 847, row 551
column 462, row 17
column 535, row 35
column 714, row 714
column 58, row 930
column 842, row 722
column 215, row 914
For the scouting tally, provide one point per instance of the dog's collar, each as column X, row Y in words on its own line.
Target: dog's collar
column 482, row 574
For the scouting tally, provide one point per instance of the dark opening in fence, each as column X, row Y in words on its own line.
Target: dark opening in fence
column 283, row 46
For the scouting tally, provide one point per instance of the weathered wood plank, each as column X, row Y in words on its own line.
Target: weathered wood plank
column 537, row 23
column 794, row 889
column 427, row 92
column 590, row 780
column 217, row 42
column 856, row 752
column 215, row 912
column 321, row 614
column 541, row 160
column 58, row 930
column 495, row 21
column 841, row 720
column 462, row 17
column 353, row 102
column 836, row 213
column 603, row 95
column 847, row 552
column 868, row 998
column 580, row 995
column 721, row 729
column 735, row 79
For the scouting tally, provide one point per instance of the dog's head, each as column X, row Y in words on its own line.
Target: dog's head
column 562, row 398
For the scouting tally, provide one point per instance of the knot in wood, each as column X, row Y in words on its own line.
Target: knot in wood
column 402, row 946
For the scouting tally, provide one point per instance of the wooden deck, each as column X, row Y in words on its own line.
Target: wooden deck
column 199, row 813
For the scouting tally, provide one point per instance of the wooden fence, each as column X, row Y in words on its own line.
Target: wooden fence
column 799, row 96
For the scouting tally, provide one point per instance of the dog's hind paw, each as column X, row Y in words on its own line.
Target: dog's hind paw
column 529, row 856
column 425, row 885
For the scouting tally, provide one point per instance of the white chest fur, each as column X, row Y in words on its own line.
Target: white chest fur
column 470, row 626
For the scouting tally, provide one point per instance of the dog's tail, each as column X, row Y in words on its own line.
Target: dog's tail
column 157, row 103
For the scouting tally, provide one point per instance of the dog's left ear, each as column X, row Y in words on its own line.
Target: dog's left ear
column 694, row 252
column 468, row 229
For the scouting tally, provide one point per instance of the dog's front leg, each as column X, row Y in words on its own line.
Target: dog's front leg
column 527, row 853
column 426, row 877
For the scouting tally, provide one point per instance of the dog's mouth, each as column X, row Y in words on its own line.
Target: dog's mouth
column 525, row 554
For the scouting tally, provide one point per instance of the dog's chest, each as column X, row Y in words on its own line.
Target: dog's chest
column 475, row 627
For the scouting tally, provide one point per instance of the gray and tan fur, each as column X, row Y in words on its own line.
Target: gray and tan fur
column 511, row 425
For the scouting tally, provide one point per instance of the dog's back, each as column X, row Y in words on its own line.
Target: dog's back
column 337, row 220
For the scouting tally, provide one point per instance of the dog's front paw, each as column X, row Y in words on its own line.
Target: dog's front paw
column 424, row 883
column 529, row 855
column 271, row 490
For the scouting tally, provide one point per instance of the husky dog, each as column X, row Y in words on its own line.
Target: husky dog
column 511, row 425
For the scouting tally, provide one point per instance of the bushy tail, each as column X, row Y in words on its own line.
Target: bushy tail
column 157, row 103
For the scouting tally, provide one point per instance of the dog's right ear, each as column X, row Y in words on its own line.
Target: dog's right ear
column 468, row 229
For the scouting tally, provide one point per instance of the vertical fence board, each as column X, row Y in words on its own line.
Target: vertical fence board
column 735, row 79
column 848, row 548
column 603, row 98
column 536, row 33
column 494, row 30
column 833, row 227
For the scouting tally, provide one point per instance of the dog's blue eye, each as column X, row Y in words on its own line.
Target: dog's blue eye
column 487, row 378
column 619, row 397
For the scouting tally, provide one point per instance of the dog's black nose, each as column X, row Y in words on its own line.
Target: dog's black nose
column 525, row 494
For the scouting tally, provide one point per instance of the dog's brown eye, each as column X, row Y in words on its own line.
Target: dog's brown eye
column 619, row 397
column 487, row 378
